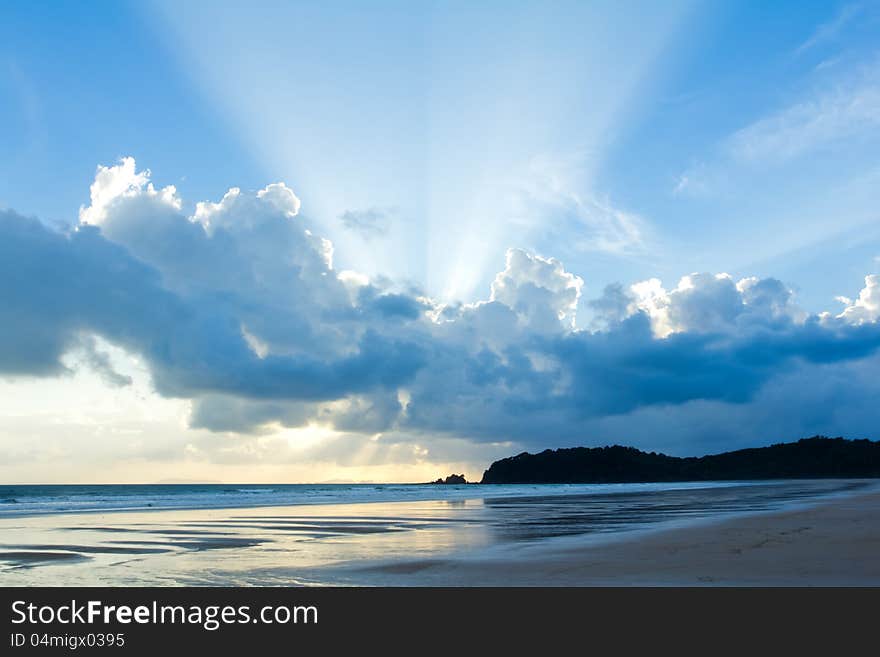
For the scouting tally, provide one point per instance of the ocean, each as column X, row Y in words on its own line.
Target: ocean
column 26, row 499
column 303, row 534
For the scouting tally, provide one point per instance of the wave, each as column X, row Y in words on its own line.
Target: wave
column 249, row 491
column 45, row 499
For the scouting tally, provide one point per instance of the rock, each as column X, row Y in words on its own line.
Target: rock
column 452, row 479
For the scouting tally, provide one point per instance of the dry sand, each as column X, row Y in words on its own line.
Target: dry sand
column 834, row 544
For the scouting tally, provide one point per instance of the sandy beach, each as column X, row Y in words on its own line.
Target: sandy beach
column 836, row 543
column 800, row 533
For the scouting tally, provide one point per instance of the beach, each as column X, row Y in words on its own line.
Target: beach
column 836, row 543
column 790, row 533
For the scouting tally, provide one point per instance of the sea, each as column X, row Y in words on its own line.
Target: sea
column 330, row 534
column 703, row 496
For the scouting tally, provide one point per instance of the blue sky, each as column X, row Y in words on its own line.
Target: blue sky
column 608, row 144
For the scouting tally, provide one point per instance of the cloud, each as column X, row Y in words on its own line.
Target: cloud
column 183, row 292
column 838, row 113
column 710, row 339
column 831, row 126
column 240, row 310
column 865, row 309
column 539, row 290
column 369, row 224
column 830, row 30
column 705, row 302
column 555, row 199
column 601, row 227
column 116, row 183
column 57, row 286
column 696, row 182
column 99, row 362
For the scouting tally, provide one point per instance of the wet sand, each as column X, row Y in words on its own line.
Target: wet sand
column 278, row 546
column 836, row 543
column 725, row 536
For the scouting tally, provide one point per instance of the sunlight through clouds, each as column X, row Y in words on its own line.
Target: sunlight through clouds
column 228, row 338
column 306, row 241
column 525, row 88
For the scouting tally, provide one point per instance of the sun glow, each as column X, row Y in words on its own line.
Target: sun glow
column 483, row 114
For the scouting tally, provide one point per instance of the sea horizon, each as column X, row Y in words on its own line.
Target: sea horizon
column 41, row 499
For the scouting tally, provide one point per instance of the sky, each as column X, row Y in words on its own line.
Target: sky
column 386, row 241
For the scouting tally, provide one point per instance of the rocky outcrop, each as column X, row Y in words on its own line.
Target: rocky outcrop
column 452, row 479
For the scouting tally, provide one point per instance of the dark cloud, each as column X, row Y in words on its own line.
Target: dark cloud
column 551, row 388
column 99, row 362
column 57, row 287
column 374, row 302
column 240, row 309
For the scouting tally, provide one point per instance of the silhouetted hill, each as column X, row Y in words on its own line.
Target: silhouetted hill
column 817, row 457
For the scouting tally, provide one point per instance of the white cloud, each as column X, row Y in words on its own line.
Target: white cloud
column 248, row 249
column 119, row 182
column 282, row 197
column 867, row 307
column 770, row 298
column 825, row 131
column 555, row 197
column 540, row 291
column 836, row 114
column 712, row 302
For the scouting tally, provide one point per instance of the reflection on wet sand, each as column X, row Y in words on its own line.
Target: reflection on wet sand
column 347, row 543
column 220, row 546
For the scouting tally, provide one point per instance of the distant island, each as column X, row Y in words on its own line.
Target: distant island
column 451, row 479
column 817, row 457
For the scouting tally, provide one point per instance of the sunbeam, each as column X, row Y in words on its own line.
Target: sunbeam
column 438, row 117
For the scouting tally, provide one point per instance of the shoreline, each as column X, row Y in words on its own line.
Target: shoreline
column 822, row 534
column 455, row 492
column 835, row 542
